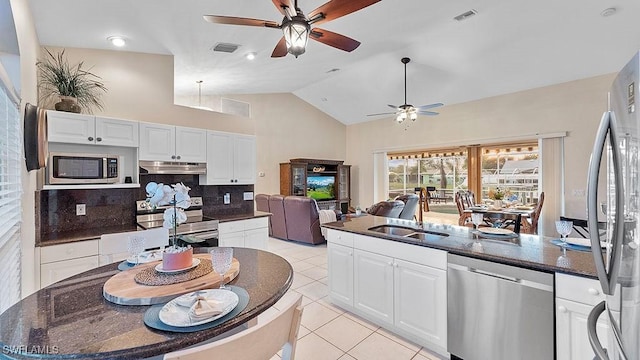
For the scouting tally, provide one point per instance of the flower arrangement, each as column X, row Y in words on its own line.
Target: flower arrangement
column 497, row 194
column 176, row 195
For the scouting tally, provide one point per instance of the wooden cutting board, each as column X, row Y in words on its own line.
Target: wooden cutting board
column 122, row 289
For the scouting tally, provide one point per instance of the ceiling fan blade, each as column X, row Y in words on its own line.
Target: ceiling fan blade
column 286, row 7
column 392, row 106
column 334, row 39
column 391, row 113
column 431, row 113
column 334, row 9
column 281, row 49
column 430, row 106
column 230, row 20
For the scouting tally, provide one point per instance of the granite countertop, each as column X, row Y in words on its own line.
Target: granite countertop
column 528, row 251
column 95, row 232
column 236, row 217
column 70, row 319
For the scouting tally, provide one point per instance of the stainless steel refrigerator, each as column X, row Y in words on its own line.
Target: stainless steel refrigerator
column 618, row 265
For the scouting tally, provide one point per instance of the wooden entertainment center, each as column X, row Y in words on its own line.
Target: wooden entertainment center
column 295, row 174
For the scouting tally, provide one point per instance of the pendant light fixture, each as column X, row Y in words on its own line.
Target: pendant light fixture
column 199, row 82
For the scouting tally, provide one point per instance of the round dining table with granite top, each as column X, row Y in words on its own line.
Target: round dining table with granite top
column 71, row 319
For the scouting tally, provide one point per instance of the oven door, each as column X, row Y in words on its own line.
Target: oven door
column 201, row 239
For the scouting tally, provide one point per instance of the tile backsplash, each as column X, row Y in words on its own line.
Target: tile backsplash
column 56, row 209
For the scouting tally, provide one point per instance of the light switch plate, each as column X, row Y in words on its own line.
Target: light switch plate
column 227, row 198
column 81, row 209
column 247, row 195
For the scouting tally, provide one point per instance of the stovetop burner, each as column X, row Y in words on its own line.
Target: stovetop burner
column 149, row 218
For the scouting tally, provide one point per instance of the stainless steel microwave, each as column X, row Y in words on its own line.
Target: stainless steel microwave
column 70, row 168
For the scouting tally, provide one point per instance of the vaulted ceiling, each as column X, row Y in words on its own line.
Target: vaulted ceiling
column 508, row 46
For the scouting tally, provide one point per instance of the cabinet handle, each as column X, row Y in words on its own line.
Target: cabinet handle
column 90, row 138
column 350, row 253
column 99, row 139
column 395, row 265
column 173, row 156
column 178, row 157
column 562, row 309
column 390, row 263
column 593, row 291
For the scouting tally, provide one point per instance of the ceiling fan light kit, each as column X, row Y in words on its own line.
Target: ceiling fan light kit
column 407, row 111
column 296, row 35
column 296, row 26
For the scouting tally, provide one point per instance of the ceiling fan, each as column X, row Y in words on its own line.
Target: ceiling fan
column 407, row 111
column 296, row 26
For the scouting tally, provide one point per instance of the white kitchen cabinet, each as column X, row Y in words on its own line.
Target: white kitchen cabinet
column 575, row 297
column 172, row 143
column 399, row 286
column 418, row 306
column 231, row 159
column 73, row 128
column 58, row 262
column 340, row 260
column 250, row 233
column 373, row 285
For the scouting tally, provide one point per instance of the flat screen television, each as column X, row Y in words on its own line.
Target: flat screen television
column 320, row 187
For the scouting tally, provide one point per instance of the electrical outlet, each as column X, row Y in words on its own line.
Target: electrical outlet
column 81, row 209
column 227, row 198
column 247, row 195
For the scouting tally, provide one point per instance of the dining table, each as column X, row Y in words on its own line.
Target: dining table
column 72, row 319
column 524, row 211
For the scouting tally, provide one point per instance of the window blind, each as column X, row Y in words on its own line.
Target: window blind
column 10, row 196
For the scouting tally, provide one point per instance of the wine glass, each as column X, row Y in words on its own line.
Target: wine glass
column 564, row 228
column 136, row 246
column 221, row 259
column 477, row 219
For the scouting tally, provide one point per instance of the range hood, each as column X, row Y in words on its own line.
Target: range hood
column 172, row 168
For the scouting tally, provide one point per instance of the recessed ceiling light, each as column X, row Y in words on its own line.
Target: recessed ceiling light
column 116, row 41
column 250, row 56
column 608, row 11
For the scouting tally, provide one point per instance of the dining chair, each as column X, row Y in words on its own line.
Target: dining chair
column 278, row 331
column 504, row 220
column 530, row 226
column 464, row 200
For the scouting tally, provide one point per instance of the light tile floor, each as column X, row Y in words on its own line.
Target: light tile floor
column 327, row 332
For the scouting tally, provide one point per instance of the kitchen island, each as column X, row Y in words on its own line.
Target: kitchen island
column 400, row 275
column 71, row 318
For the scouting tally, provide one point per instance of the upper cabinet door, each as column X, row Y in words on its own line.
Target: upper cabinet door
column 219, row 159
column 244, row 159
column 116, row 132
column 72, row 128
column 191, row 145
column 157, row 142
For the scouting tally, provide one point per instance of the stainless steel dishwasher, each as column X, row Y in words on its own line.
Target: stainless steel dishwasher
column 498, row 311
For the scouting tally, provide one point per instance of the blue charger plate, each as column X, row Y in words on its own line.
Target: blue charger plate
column 558, row 242
column 152, row 315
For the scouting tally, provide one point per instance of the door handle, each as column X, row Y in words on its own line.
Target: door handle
column 592, row 321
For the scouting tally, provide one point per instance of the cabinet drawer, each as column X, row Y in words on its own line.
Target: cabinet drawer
column 230, row 227
column 579, row 289
column 414, row 253
column 68, row 251
column 256, row 223
column 340, row 237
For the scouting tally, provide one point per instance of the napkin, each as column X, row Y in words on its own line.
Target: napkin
column 204, row 308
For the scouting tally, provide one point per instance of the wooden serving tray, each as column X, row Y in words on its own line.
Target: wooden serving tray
column 122, row 289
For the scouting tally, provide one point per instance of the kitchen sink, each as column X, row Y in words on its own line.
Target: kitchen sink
column 418, row 234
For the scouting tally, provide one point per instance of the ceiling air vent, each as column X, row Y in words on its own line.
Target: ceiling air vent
column 466, row 15
column 225, row 47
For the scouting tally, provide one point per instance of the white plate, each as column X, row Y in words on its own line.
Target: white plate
column 195, row 263
column 583, row 242
column 146, row 257
column 177, row 315
column 495, row 231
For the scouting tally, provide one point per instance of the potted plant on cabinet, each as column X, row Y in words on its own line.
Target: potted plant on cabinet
column 76, row 87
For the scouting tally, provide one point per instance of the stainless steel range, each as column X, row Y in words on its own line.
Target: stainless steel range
column 197, row 231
